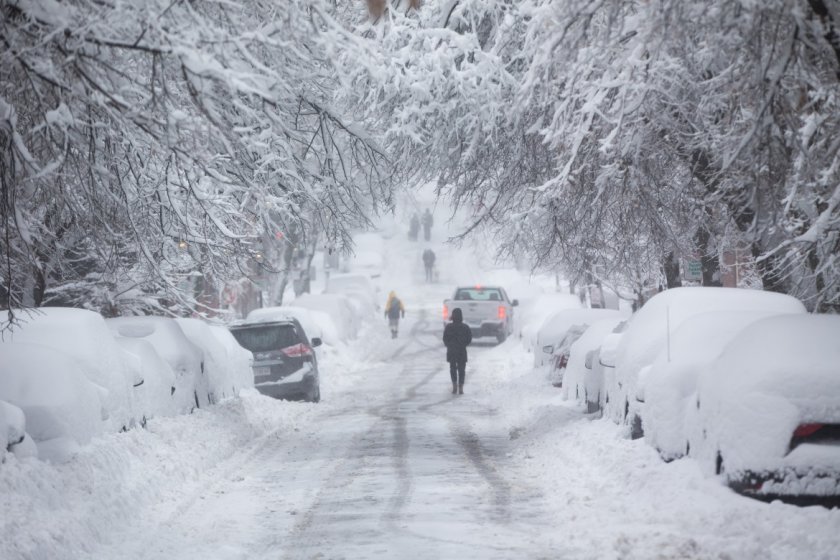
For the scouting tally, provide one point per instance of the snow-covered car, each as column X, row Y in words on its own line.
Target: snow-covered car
column 317, row 324
column 220, row 373
column 185, row 358
column 767, row 412
column 671, row 382
column 62, row 409
column 561, row 329
column 285, row 365
column 358, row 288
column 340, row 308
column 583, row 379
column 83, row 337
column 487, row 310
column 533, row 312
column 156, row 396
column 240, row 361
column 12, row 427
column 650, row 328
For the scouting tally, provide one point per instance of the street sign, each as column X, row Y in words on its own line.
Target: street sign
column 694, row 269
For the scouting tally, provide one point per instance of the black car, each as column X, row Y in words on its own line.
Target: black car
column 285, row 366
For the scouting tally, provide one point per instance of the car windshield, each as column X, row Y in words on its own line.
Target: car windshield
column 478, row 294
column 266, row 338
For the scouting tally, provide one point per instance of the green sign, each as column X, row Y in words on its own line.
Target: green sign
column 694, row 270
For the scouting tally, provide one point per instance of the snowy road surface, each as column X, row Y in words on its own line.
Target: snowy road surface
column 398, row 468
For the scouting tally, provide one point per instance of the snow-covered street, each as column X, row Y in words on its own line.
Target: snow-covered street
column 391, row 464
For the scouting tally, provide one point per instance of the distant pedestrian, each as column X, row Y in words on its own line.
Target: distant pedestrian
column 427, row 224
column 394, row 310
column 429, row 264
column 457, row 336
column 414, row 227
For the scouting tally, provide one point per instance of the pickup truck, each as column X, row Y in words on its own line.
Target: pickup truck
column 487, row 310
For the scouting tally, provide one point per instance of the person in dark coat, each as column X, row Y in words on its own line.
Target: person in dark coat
column 427, row 224
column 457, row 336
column 429, row 264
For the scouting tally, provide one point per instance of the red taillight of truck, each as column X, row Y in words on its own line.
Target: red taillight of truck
column 502, row 312
column 445, row 313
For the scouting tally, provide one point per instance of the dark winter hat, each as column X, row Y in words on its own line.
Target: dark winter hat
column 457, row 316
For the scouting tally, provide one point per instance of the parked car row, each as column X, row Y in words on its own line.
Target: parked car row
column 746, row 382
column 73, row 374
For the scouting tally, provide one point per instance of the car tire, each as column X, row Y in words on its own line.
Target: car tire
column 636, row 430
column 501, row 337
column 316, row 396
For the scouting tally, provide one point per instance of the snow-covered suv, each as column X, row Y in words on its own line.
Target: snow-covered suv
column 285, row 366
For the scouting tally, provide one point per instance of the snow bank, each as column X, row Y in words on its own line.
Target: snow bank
column 62, row 409
column 69, row 510
column 775, row 375
column 84, row 337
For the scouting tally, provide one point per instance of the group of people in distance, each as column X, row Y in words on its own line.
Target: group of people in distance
column 414, row 225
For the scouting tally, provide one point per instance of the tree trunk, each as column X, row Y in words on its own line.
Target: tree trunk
column 672, row 271
column 709, row 259
column 772, row 279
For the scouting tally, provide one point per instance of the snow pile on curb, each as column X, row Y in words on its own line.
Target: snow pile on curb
column 63, row 510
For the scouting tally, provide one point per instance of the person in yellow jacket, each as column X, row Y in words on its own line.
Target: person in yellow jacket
column 394, row 310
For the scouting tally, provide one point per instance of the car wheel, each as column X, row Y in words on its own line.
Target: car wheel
column 501, row 337
column 636, row 431
column 316, row 396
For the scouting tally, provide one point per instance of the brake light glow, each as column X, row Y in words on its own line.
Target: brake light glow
column 445, row 313
column 805, row 430
column 297, row 350
column 502, row 312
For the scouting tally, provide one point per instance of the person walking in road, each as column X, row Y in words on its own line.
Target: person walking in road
column 429, row 264
column 427, row 224
column 414, row 227
column 456, row 337
column 394, row 310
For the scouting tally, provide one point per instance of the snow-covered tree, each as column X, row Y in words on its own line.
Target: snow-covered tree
column 143, row 144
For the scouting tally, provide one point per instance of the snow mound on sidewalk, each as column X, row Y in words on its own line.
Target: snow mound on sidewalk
column 66, row 511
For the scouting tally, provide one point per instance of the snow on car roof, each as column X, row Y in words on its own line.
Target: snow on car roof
column 784, row 354
column 649, row 327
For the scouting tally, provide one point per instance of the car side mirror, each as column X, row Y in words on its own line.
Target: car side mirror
column 590, row 358
column 514, row 303
column 609, row 349
column 548, row 349
column 316, row 342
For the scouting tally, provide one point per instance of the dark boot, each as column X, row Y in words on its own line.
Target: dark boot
column 454, row 388
column 461, row 389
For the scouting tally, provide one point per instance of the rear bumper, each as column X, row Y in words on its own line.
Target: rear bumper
column 301, row 384
column 487, row 328
column 800, row 482
column 292, row 390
